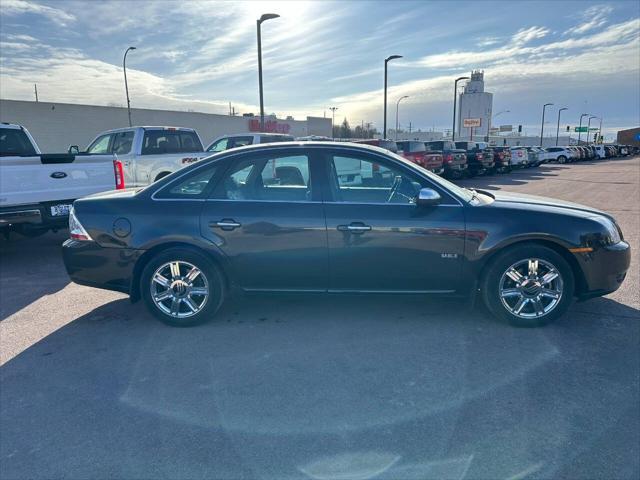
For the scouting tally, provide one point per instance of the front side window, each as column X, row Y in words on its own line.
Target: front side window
column 273, row 178
column 362, row 180
column 219, row 146
column 100, row 145
column 241, row 141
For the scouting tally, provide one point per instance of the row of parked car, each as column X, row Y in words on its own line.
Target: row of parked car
column 464, row 158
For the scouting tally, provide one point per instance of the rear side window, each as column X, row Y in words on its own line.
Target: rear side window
column 240, row 142
column 219, row 146
column 122, row 143
column 15, row 142
column 157, row 142
column 192, row 186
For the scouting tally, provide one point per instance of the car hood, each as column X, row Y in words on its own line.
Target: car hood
column 509, row 198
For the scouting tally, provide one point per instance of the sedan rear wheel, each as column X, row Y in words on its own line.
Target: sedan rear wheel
column 182, row 287
column 529, row 285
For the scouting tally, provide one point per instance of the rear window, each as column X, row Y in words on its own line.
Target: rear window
column 411, row 147
column 157, row 142
column 444, row 145
column 15, row 142
column 389, row 145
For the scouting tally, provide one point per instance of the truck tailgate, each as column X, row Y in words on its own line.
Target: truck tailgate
column 30, row 180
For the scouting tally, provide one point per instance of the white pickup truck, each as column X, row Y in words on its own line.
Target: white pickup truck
column 149, row 153
column 37, row 190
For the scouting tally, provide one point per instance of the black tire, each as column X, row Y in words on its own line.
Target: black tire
column 208, row 269
column 490, row 285
column 562, row 159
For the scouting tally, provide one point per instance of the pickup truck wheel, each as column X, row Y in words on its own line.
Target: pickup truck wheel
column 182, row 287
column 161, row 175
column 528, row 286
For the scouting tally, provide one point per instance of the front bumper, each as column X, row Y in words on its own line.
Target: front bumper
column 604, row 269
column 88, row 263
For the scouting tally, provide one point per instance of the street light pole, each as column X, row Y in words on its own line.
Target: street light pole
column 397, row 107
column 333, row 121
column 126, row 85
column 589, row 126
column 600, row 130
column 263, row 18
column 580, row 128
column 544, row 107
column 558, row 127
column 386, row 61
column 455, row 101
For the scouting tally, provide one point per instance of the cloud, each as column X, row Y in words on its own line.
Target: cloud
column 19, row 7
column 593, row 17
column 525, row 35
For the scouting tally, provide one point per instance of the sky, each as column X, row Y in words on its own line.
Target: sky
column 201, row 55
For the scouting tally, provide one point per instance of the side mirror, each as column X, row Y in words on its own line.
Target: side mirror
column 73, row 150
column 428, row 197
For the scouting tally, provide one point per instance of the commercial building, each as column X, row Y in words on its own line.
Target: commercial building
column 55, row 126
column 630, row 136
column 417, row 135
column 475, row 106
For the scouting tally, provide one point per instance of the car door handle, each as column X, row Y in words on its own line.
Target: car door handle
column 356, row 228
column 225, row 224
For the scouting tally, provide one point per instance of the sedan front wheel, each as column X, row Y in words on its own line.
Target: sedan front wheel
column 529, row 285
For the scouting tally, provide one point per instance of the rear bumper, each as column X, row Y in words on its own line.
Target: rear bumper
column 36, row 215
column 604, row 269
column 88, row 263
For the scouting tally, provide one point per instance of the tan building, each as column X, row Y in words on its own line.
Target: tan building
column 55, row 126
column 629, row 137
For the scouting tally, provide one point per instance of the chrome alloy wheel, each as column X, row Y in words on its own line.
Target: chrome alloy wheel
column 179, row 289
column 531, row 288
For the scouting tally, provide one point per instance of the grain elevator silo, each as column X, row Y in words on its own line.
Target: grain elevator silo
column 475, row 104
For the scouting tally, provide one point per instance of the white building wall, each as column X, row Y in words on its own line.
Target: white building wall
column 474, row 103
column 55, row 126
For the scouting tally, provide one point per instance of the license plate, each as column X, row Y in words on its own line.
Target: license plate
column 60, row 210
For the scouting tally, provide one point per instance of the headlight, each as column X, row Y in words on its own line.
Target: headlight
column 613, row 235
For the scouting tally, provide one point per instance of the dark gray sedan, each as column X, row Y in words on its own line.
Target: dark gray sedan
column 334, row 218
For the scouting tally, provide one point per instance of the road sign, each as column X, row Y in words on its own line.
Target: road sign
column 493, row 130
column 581, row 129
column 471, row 122
column 506, row 128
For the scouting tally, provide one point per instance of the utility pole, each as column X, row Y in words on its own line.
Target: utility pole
column 455, row 101
column 126, row 85
column 386, row 61
column 333, row 121
column 35, row 88
column 542, row 127
column 558, row 127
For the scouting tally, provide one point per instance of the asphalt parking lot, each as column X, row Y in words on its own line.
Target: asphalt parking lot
column 322, row 387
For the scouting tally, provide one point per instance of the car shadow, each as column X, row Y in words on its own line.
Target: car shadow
column 30, row 268
column 280, row 387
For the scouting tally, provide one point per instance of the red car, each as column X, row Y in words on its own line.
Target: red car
column 417, row 153
column 377, row 142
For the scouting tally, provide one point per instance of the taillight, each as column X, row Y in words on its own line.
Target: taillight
column 480, row 156
column 118, row 171
column 448, row 158
column 76, row 230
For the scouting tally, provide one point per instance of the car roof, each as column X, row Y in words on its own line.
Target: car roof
column 12, row 126
column 306, row 144
column 150, row 127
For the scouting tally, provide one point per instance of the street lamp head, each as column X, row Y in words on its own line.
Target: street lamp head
column 131, row 48
column 592, row 116
column 563, row 108
column 267, row 16
column 392, row 57
column 461, row 78
column 547, row 104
